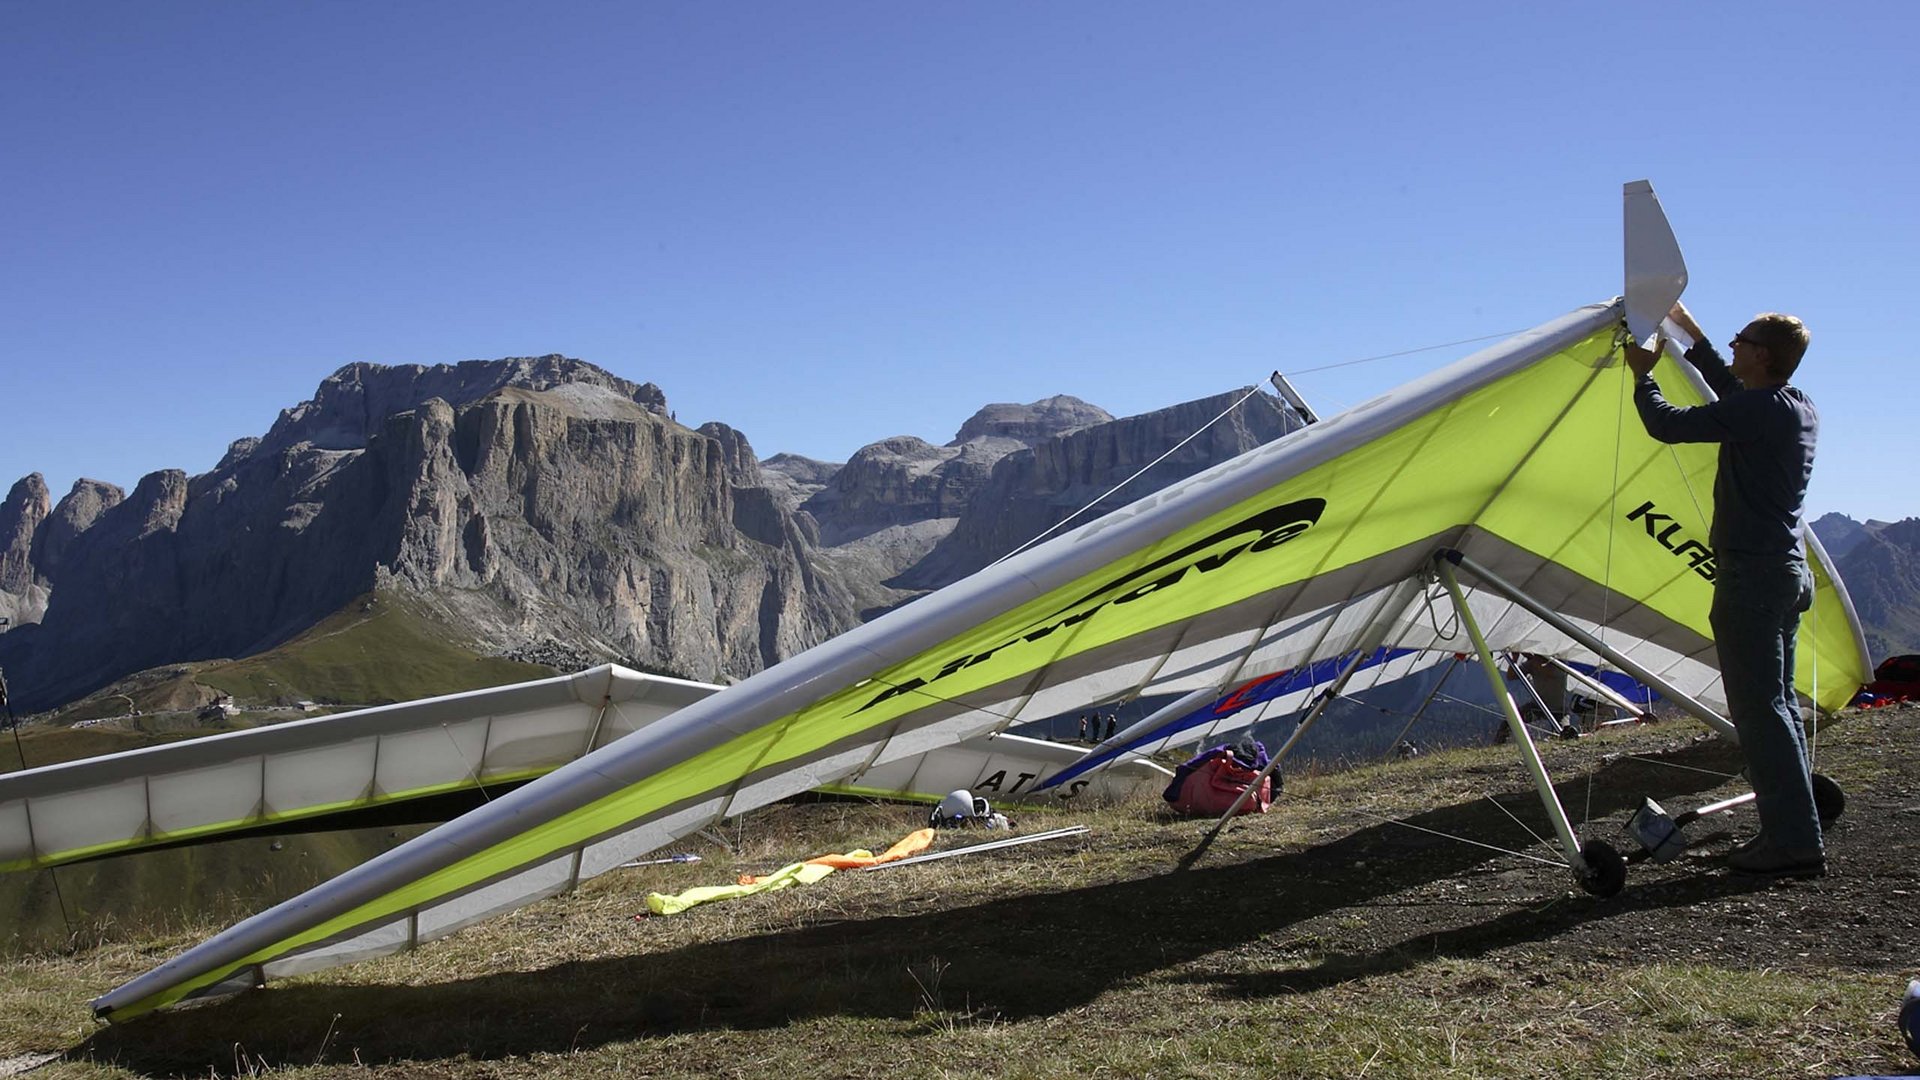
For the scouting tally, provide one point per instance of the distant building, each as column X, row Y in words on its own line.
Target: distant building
column 219, row 708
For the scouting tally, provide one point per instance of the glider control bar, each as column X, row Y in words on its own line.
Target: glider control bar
column 1522, row 738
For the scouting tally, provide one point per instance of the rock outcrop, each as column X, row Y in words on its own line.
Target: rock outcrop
column 525, row 500
column 1033, row 490
column 541, row 504
column 1032, row 423
column 23, row 592
column 794, row 479
column 1882, row 572
column 1839, row 533
column 74, row 514
column 905, row 480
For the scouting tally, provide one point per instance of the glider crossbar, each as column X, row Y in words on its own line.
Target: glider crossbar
column 1522, row 738
column 1566, row 626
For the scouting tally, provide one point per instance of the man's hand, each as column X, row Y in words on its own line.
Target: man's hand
column 1683, row 319
column 1640, row 361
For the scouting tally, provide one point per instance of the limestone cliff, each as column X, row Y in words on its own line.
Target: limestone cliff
column 23, row 592
column 1882, row 572
column 546, row 500
column 541, row 504
column 1032, row 490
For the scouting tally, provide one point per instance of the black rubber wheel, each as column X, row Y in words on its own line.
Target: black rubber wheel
column 1828, row 800
column 1910, row 1022
column 1606, row 871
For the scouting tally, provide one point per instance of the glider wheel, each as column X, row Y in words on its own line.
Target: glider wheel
column 1910, row 1023
column 1828, row 800
column 1606, row 871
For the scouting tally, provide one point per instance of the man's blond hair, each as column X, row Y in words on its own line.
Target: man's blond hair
column 1784, row 337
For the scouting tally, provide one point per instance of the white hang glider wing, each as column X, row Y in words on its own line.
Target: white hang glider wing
column 1523, row 458
column 307, row 770
column 329, row 771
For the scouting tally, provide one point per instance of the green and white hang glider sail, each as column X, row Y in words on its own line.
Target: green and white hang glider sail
column 331, row 771
column 1522, row 464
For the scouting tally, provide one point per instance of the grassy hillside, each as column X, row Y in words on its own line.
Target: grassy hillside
column 375, row 651
column 1340, row 935
column 378, row 649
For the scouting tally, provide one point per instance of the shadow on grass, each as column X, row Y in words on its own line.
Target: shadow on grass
column 1016, row 958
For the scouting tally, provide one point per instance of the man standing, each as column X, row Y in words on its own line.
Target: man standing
column 1766, row 430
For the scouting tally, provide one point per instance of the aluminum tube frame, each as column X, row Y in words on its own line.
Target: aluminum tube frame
column 1394, row 601
column 1424, row 702
column 1526, row 682
column 1522, row 738
column 1559, row 622
column 1608, row 693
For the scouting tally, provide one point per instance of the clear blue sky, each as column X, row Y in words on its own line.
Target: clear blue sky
column 827, row 223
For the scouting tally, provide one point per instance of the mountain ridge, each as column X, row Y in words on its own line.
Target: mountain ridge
column 528, row 500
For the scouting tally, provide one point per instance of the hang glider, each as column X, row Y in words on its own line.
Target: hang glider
column 429, row 760
column 1508, row 502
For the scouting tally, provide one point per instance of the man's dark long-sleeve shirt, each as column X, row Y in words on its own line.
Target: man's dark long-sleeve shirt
column 1766, row 439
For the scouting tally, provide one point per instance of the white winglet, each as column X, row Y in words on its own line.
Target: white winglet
column 1656, row 273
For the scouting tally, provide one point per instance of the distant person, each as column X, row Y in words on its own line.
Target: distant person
column 1113, row 724
column 1766, row 430
column 1083, row 727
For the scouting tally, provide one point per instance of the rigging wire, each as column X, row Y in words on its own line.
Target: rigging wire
column 1362, row 811
column 1498, row 805
column 1405, row 352
column 472, row 773
column 19, row 748
column 1813, row 728
column 1229, row 409
column 1643, row 759
column 1055, row 527
column 1613, row 519
column 1449, row 632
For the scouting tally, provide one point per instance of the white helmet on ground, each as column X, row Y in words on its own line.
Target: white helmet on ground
column 960, row 804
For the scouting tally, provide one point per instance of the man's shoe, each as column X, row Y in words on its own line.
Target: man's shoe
column 1758, row 860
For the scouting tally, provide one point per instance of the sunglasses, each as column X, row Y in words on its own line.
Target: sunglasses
column 1742, row 339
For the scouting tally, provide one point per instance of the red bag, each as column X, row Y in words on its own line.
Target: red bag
column 1213, row 785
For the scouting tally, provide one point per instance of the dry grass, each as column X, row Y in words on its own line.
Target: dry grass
column 1314, row 941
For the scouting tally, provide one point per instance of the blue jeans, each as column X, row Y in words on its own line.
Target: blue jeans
column 1757, row 601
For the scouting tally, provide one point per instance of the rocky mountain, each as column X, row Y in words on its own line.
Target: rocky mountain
column 532, row 501
column 1882, row 572
column 1838, row 533
column 1075, row 475
column 23, row 591
column 523, row 499
column 1030, row 424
